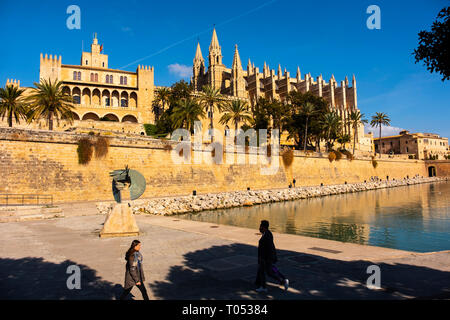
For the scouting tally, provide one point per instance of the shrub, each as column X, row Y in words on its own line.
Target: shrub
column 269, row 150
column 150, row 129
column 167, row 147
column 374, row 163
column 338, row 155
column 287, row 156
column 84, row 151
column 331, row 156
column 101, row 147
column 347, row 153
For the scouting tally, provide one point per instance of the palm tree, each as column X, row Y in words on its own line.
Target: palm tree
column 307, row 110
column 210, row 97
column 48, row 100
column 162, row 97
column 343, row 139
column 378, row 120
column 12, row 104
column 331, row 124
column 355, row 119
column 235, row 111
column 186, row 113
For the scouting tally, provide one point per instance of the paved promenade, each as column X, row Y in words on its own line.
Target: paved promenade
column 197, row 260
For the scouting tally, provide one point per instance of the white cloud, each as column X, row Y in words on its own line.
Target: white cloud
column 180, row 70
column 385, row 130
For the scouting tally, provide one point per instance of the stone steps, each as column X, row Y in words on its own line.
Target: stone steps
column 26, row 213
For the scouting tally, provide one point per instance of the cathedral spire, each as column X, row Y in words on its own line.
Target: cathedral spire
column 214, row 41
column 198, row 53
column 299, row 75
column 215, row 52
column 236, row 59
column 249, row 67
column 354, row 81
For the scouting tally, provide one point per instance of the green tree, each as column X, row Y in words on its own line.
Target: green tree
column 355, row 119
column 48, row 100
column 378, row 120
column 343, row 139
column 434, row 45
column 210, row 98
column 331, row 126
column 295, row 120
column 178, row 92
column 307, row 110
column 235, row 111
column 186, row 113
column 12, row 104
column 162, row 97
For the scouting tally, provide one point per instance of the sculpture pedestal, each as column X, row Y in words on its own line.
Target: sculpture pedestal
column 120, row 222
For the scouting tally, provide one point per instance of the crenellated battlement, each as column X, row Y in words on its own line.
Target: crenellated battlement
column 49, row 59
column 144, row 68
column 13, row 82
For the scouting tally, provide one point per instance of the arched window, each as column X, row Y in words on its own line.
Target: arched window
column 92, row 77
column 107, row 78
column 124, row 80
column 121, row 80
column 74, row 75
column 96, row 77
column 110, row 79
column 86, row 62
column 79, row 75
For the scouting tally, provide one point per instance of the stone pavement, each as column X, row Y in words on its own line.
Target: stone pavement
column 197, row 260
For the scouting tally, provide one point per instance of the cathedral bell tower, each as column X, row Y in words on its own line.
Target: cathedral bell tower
column 198, row 70
column 215, row 68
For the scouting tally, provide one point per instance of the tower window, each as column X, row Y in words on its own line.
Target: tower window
column 103, row 64
column 74, row 75
column 96, row 77
column 124, row 80
column 110, row 79
column 92, row 77
column 79, row 75
column 86, row 62
column 107, row 78
column 121, row 80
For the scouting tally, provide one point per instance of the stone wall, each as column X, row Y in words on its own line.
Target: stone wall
column 39, row 161
column 442, row 167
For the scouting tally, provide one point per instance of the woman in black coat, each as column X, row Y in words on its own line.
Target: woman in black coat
column 134, row 271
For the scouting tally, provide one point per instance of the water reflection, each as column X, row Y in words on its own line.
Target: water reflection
column 414, row 218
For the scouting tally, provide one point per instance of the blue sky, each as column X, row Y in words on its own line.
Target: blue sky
column 322, row 37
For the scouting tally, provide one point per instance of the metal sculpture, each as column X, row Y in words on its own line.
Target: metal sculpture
column 128, row 177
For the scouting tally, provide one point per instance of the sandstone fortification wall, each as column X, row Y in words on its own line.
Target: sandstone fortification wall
column 39, row 161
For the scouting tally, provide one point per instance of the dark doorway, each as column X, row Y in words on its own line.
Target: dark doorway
column 432, row 171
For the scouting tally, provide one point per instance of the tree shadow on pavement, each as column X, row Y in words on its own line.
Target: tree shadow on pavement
column 35, row 278
column 229, row 272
